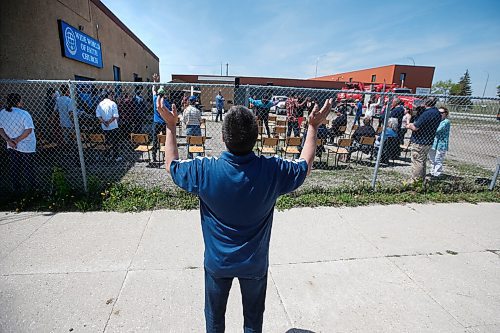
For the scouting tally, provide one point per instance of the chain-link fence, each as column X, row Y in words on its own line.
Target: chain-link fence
column 104, row 132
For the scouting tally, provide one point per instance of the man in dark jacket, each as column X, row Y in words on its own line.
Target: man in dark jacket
column 365, row 130
column 340, row 121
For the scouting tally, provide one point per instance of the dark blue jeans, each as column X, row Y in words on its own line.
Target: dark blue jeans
column 21, row 170
column 253, row 294
column 156, row 129
column 295, row 126
column 219, row 114
column 357, row 119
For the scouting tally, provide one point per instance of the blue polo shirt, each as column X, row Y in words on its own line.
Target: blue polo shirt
column 237, row 197
column 427, row 125
column 359, row 109
column 156, row 116
column 219, row 102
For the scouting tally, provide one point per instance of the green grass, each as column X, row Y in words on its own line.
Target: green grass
column 128, row 198
column 347, row 187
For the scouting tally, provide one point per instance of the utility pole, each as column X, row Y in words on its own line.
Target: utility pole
column 486, row 84
column 227, row 69
column 221, row 69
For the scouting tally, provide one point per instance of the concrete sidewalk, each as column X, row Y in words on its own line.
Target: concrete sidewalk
column 412, row 268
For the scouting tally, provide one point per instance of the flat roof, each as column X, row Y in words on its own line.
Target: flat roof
column 367, row 69
column 122, row 25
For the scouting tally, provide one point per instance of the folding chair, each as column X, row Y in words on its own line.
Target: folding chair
column 45, row 144
column 260, row 134
column 320, row 142
column 195, row 145
column 366, row 144
column 291, row 146
column 162, row 138
column 271, row 120
column 203, row 126
column 98, row 143
column 342, row 130
column 281, row 123
column 341, row 149
column 269, row 146
column 280, row 132
column 141, row 143
column 353, row 129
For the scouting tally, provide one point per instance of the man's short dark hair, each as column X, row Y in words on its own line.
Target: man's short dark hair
column 239, row 130
column 430, row 101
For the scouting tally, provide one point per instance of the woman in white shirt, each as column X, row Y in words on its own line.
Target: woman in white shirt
column 16, row 128
column 372, row 108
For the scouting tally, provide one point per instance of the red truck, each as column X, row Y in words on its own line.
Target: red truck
column 352, row 91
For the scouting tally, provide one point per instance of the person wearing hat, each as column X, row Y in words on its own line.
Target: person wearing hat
column 191, row 117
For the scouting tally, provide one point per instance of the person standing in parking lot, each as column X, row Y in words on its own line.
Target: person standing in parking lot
column 219, row 104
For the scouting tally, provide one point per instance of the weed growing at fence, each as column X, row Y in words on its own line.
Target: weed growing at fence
column 465, row 183
column 130, row 198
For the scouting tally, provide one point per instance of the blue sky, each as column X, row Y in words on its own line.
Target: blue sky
column 287, row 38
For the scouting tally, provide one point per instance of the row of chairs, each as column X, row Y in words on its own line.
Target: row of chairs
column 270, row 146
column 142, row 144
column 195, row 144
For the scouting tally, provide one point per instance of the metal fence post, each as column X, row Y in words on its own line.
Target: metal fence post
column 78, row 135
column 382, row 139
column 495, row 176
column 247, row 95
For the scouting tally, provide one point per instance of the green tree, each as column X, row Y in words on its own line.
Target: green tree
column 498, row 90
column 462, row 88
column 443, row 87
column 464, row 83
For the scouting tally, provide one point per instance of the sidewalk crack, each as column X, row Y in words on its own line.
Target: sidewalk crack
column 288, row 317
column 126, row 273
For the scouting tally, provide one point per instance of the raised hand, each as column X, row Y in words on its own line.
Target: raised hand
column 170, row 117
column 317, row 116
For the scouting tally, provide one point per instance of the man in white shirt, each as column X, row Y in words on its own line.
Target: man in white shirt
column 107, row 113
column 16, row 128
column 65, row 107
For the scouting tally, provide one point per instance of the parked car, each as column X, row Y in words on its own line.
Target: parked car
column 280, row 107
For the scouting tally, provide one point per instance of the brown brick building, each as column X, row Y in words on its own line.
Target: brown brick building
column 33, row 45
column 408, row 76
